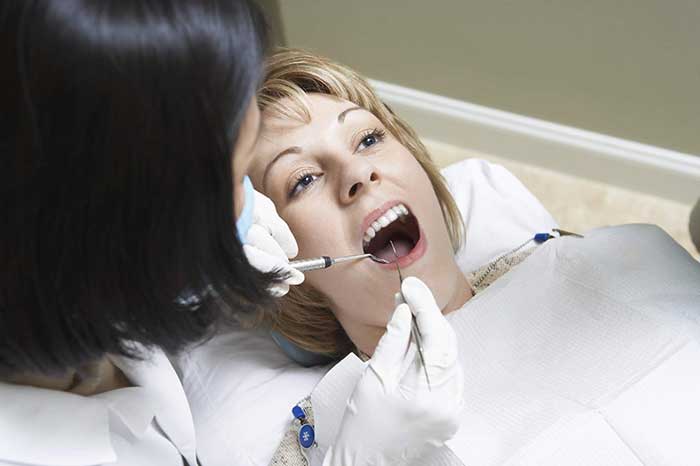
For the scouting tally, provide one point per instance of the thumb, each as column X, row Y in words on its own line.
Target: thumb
column 259, row 237
column 391, row 349
column 265, row 214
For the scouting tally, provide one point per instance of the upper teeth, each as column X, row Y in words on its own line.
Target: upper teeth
column 394, row 213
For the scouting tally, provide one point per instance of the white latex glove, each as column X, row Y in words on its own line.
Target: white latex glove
column 270, row 244
column 391, row 417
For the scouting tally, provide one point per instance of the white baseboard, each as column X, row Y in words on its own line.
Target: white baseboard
column 644, row 168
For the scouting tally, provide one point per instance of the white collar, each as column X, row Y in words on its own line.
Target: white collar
column 53, row 428
column 158, row 378
column 49, row 427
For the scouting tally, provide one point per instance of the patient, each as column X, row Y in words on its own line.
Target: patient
column 349, row 176
column 585, row 353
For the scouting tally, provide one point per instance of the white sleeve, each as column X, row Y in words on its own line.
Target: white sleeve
column 499, row 212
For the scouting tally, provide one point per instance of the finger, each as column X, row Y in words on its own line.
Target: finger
column 278, row 290
column 259, row 237
column 295, row 276
column 266, row 215
column 264, row 208
column 284, row 237
column 434, row 329
column 260, row 260
column 391, row 349
column 265, row 263
column 268, row 263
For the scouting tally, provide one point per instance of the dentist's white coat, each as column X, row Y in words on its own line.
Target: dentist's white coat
column 149, row 424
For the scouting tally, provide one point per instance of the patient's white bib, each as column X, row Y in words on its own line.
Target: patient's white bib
column 587, row 353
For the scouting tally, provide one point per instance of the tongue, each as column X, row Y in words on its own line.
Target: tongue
column 403, row 248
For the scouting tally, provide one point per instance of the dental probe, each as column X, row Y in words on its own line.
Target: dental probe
column 323, row 262
column 415, row 330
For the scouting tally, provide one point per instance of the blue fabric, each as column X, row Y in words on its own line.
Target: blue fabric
column 298, row 354
column 245, row 220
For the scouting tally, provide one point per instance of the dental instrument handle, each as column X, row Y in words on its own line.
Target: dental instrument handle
column 323, row 262
column 304, row 265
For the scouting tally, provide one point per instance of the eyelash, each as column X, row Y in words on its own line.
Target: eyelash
column 297, row 188
column 377, row 133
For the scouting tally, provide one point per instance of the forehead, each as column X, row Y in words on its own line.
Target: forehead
column 281, row 131
column 303, row 110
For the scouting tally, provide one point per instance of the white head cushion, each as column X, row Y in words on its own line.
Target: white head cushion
column 499, row 213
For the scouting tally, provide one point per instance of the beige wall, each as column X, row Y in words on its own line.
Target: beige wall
column 627, row 68
column 272, row 11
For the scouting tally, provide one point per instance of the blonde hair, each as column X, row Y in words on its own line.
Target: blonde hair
column 304, row 315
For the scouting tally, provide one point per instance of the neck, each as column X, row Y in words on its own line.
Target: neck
column 462, row 292
column 90, row 379
column 366, row 338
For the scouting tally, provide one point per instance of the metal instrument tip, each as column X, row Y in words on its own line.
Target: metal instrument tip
column 391, row 243
column 396, row 260
column 378, row 259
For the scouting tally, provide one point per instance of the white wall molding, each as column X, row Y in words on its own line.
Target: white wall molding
column 652, row 170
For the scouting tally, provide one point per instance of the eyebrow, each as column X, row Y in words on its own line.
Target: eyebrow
column 297, row 149
column 341, row 117
column 287, row 151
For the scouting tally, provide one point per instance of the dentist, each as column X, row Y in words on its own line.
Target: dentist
column 125, row 127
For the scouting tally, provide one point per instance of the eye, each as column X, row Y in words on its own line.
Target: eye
column 371, row 138
column 302, row 182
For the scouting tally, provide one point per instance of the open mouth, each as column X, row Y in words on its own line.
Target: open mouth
column 398, row 225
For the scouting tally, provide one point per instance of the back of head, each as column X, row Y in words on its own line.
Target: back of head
column 118, row 120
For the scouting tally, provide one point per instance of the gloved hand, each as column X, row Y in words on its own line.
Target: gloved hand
column 392, row 417
column 270, row 244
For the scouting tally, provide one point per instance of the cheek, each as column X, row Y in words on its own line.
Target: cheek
column 238, row 197
column 240, row 168
column 414, row 176
column 326, row 236
column 402, row 167
column 314, row 235
column 433, row 222
column 312, row 239
column 413, row 179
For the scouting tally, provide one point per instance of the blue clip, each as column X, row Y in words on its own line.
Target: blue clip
column 541, row 237
column 299, row 413
column 307, row 434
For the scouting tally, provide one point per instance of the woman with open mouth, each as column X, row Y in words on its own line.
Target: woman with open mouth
column 346, row 184
column 556, row 354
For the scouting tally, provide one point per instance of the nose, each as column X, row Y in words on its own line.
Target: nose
column 359, row 178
